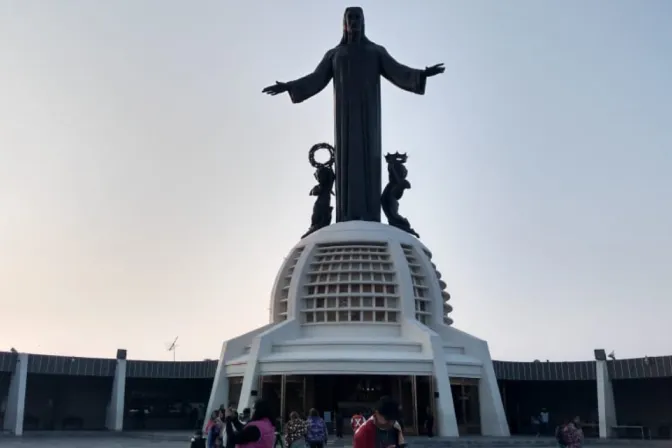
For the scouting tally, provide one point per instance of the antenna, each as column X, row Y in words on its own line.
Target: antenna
column 173, row 347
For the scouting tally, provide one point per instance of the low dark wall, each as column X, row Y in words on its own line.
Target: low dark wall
column 562, row 399
column 61, row 402
column 163, row 404
column 5, row 378
column 646, row 403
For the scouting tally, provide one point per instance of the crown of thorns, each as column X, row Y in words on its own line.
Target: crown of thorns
column 317, row 147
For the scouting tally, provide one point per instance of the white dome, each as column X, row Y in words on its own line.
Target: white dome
column 359, row 272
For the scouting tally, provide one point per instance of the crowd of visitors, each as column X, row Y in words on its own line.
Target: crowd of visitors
column 381, row 428
column 258, row 428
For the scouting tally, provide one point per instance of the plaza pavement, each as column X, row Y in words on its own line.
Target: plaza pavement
column 181, row 440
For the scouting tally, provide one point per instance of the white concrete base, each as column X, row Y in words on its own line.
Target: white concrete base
column 283, row 349
column 16, row 399
column 323, row 303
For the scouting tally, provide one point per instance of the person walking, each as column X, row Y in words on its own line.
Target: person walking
column 259, row 432
column 316, row 431
column 295, row 431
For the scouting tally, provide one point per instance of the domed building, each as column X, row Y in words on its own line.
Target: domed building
column 358, row 310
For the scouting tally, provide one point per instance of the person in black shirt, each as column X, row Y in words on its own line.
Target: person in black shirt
column 237, row 434
column 338, row 421
column 429, row 422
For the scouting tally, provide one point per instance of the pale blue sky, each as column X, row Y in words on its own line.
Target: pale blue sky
column 148, row 189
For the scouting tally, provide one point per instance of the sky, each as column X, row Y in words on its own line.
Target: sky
column 149, row 190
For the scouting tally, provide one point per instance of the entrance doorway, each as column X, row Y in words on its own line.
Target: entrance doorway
column 338, row 397
column 467, row 405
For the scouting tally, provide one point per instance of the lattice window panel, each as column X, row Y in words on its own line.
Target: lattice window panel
column 282, row 298
column 351, row 283
column 421, row 293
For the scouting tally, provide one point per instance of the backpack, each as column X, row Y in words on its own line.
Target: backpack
column 316, row 431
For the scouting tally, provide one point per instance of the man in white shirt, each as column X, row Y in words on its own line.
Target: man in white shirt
column 543, row 422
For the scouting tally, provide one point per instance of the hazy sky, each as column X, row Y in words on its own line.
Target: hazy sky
column 149, row 190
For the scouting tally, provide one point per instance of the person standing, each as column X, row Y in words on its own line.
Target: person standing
column 338, row 423
column 572, row 434
column 543, row 422
column 356, row 421
column 382, row 429
column 316, row 431
column 429, row 422
column 215, row 430
column 259, row 432
column 295, row 431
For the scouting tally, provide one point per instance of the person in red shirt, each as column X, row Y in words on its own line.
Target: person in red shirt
column 356, row 421
column 382, row 429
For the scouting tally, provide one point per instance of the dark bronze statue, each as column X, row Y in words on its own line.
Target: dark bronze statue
column 356, row 65
column 324, row 175
column 394, row 190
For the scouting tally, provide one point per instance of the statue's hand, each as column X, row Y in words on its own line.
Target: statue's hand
column 278, row 87
column 434, row 70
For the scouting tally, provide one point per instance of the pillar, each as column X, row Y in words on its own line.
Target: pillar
column 114, row 420
column 432, row 400
column 606, row 407
column 16, row 398
column 414, row 400
column 445, row 418
column 283, row 398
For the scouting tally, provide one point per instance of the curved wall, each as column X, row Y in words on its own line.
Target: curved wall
column 620, row 369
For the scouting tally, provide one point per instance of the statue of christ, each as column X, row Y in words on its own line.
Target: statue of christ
column 355, row 65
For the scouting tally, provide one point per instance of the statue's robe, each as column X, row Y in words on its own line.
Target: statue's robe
column 356, row 69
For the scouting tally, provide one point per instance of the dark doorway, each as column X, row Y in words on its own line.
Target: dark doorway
column 467, row 405
column 338, row 397
column 160, row 404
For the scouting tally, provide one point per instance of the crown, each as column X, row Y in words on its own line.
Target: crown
column 396, row 157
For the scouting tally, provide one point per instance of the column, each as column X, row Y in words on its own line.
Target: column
column 114, row 420
column 283, row 400
column 432, row 399
column 305, row 391
column 414, row 399
column 606, row 407
column 16, row 398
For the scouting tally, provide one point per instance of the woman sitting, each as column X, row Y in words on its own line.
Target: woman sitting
column 259, row 432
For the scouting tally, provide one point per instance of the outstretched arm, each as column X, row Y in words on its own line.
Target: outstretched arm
column 406, row 78
column 313, row 83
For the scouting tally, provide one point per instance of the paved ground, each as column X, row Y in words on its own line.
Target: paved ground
column 174, row 440
column 103, row 442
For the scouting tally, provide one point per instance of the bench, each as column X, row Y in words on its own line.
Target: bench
column 643, row 430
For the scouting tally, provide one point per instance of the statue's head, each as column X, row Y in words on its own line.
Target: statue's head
column 353, row 25
column 353, row 20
